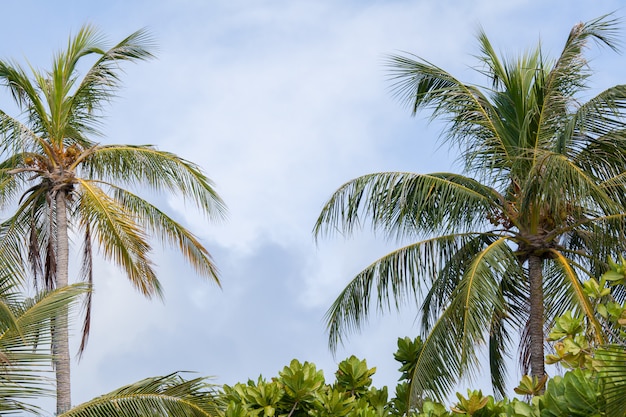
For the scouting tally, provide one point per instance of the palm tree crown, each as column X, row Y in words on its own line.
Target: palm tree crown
column 67, row 181
column 501, row 247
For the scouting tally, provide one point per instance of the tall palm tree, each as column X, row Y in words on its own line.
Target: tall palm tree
column 501, row 247
column 64, row 180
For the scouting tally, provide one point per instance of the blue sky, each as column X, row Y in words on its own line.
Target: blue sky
column 280, row 102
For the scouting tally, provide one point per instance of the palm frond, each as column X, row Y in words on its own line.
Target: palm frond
column 86, row 271
column 605, row 159
column 41, row 309
column 567, row 78
column 450, row 348
column 407, row 204
column 169, row 395
column 157, row 169
column 22, row 236
column 565, row 191
column 119, row 236
column 559, row 297
column 571, row 69
column 453, row 264
column 24, row 93
column 27, row 239
column 102, row 80
column 420, row 84
column 600, row 120
column 590, row 242
column 10, row 185
column 392, row 280
column 515, row 95
column 25, row 347
column 11, row 254
column 19, row 140
column 499, row 345
column 168, row 231
column 581, row 297
column 612, row 373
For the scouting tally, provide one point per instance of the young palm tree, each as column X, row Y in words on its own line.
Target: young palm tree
column 501, row 247
column 64, row 180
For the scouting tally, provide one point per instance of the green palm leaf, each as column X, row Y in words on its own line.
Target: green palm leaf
column 613, row 374
column 98, row 84
column 168, row 230
column 449, row 347
column 157, row 169
column 24, row 344
column 401, row 203
column 120, row 237
column 391, row 281
column 169, row 395
column 581, row 297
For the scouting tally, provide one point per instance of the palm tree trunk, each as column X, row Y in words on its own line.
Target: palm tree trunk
column 61, row 335
column 536, row 319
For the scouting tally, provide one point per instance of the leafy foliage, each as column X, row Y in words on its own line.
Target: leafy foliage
column 354, row 376
column 407, row 354
column 579, row 392
column 301, row 390
column 575, row 394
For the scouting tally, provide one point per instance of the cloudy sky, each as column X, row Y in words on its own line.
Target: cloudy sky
column 280, row 102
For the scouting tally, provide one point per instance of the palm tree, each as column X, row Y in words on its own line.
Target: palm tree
column 67, row 181
column 501, row 247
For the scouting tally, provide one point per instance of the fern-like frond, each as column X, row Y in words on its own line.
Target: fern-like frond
column 468, row 112
column 613, row 374
column 170, row 395
column 119, row 236
column 406, row 204
column 451, row 347
column 391, row 282
column 102, row 80
column 24, row 346
column 159, row 170
column 168, row 231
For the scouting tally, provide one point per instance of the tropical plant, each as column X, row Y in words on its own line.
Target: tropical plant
column 604, row 363
column 354, row 376
column 64, row 181
column 169, row 395
column 407, row 354
column 300, row 390
column 25, row 336
column 500, row 249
